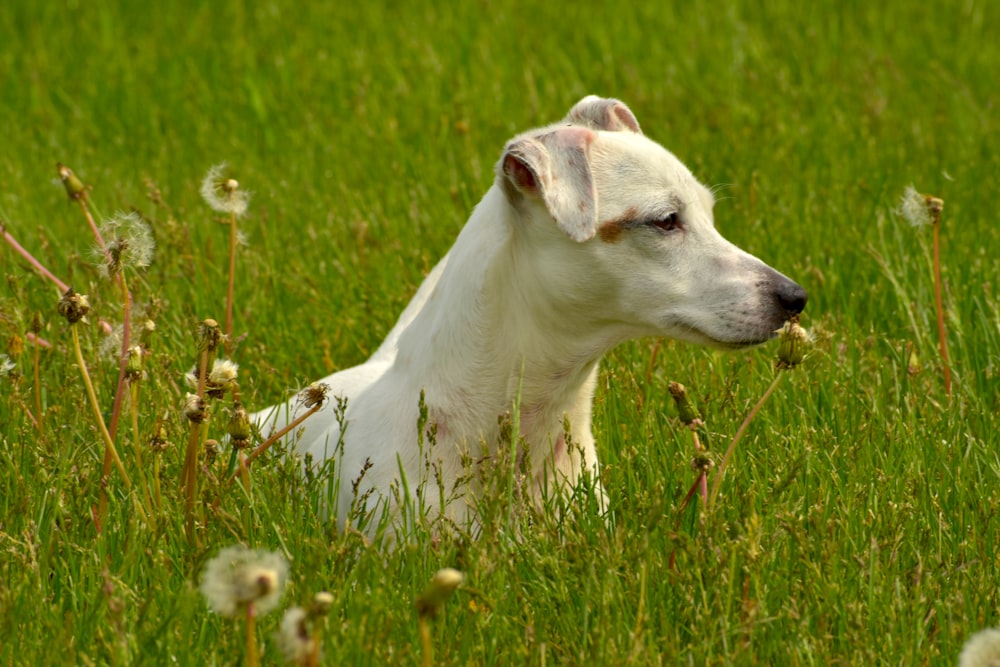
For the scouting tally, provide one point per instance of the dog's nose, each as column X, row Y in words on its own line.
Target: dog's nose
column 791, row 297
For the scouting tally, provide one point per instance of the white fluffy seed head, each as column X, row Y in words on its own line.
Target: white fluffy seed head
column 913, row 208
column 222, row 192
column 238, row 576
column 981, row 650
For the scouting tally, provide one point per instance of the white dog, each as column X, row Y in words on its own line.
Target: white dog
column 592, row 234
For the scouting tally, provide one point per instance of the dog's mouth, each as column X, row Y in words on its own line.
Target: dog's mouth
column 697, row 335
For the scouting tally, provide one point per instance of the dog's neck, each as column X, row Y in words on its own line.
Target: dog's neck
column 489, row 337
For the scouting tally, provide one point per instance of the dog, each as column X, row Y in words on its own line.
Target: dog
column 592, row 234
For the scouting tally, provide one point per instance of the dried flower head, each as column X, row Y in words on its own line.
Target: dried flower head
column 314, row 394
column 439, row 589
column 794, row 344
column 239, row 577
column 128, row 244
column 221, row 378
column 158, row 440
column 208, row 335
column 981, row 650
column 194, row 408
column 919, row 209
column 294, row 638
column 222, row 192
column 73, row 306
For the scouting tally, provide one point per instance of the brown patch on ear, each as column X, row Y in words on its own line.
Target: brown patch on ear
column 611, row 230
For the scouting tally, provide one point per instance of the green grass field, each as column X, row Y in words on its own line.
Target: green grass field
column 859, row 522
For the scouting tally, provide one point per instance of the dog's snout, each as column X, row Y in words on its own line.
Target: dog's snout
column 791, row 297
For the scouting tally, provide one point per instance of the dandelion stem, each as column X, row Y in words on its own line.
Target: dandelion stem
column 938, row 302
column 110, row 453
column 253, row 659
column 275, row 438
column 82, row 200
column 31, row 260
column 123, row 359
column 425, row 641
column 38, row 390
column 739, row 434
column 190, row 472
column 146, row 496
column 232, row 283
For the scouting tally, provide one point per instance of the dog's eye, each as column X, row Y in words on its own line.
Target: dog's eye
column 668, row 223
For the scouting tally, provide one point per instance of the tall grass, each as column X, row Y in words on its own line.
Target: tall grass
column 858, row 520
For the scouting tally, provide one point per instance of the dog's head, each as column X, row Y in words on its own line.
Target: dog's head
column 624, row 231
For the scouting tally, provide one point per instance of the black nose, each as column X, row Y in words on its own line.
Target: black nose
column 791, row 297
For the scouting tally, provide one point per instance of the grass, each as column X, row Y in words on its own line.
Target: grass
column 858, row 521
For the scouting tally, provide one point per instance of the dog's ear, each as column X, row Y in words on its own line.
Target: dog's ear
column 603, row 113
column 555, row 167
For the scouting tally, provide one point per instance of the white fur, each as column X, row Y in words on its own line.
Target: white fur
column 558, row 264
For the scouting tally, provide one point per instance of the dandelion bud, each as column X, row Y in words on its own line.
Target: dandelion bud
column 74, row 307
column 194, row 408
column 702, row 462
column 74, row 186
column 146, row 332
column 321, row 605
column 314, row 394
column 794, row 344
column 687, row 412
column 239, row 427
column 208, row 335
column 133, row 367
column 439, row 589
column 211, row 450
column 913, row 360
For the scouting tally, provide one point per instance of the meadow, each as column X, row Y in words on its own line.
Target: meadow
column 859, row 519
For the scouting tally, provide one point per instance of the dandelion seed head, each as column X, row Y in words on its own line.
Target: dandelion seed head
column 194, row 408
column 224, row 372
column 128, row 244
column 110, row 347
column 981, row 650
column 913, row 208
column 222, row 193
column 6, row 365
column 314, row 394
column 191, row 378
column 293, row 638
column 238, row 576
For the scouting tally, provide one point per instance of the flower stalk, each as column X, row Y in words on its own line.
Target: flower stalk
column 793, row 347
